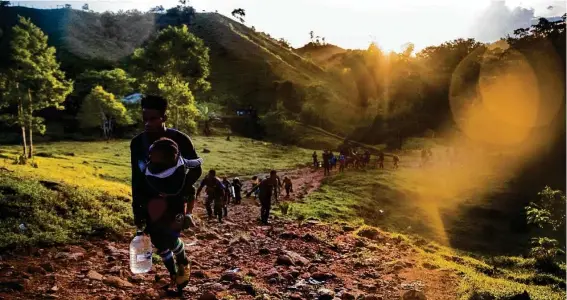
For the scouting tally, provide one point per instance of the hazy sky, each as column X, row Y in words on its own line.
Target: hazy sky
column 355, row 23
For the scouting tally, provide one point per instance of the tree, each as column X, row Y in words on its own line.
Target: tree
column 207, row 115
column 175, row 51
column 67, row 6
column 4, row 4
column 116, row 81
column 239, row 14
column 101, row 108
column 34, row 81
column 182, row 14
column 284, row 43
column 547, row 212
column 311, row 35
column 85, row 7
column 181, row 108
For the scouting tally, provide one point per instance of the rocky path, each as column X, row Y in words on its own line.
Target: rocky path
column 239, row 259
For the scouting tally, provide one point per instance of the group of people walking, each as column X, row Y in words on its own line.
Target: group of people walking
column 347, row 159
column 220, row 193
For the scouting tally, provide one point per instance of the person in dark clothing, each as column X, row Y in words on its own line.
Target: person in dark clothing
column 326, row 163
column 266, row 188
column 287, row 185
column 237, row 185
column 396, row 161
column 215, row 194
column 315, row 162
column 333, row 160
column 164, row 166
column 227, row 195
column 381, row 160
column 254, row 182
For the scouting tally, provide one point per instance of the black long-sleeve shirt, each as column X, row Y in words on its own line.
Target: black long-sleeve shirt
column 266, row 187
column 139, row 147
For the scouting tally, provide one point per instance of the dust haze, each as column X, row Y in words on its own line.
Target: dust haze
column 505, row 120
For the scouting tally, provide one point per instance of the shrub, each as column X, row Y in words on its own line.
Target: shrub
column 545, row 251
column 284, row 208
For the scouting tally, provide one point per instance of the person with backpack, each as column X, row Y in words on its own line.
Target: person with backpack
column 254, row 183
column 237, row 185
column 215, row 195
column 266, row 188
column 342, row 162
column 164, row 166
column 333, row 160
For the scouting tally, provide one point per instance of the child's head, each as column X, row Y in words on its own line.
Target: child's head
column 212, row 173
column 225, row 178
column 163, row 155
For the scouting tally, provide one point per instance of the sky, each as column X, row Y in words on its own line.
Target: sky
column 356, row 23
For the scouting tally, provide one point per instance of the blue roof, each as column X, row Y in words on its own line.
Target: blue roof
column 133, row 98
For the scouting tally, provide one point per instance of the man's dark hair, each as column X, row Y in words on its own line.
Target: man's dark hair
column 166, row 146
column 154, row 102
column 273, row 172
column 213, row 172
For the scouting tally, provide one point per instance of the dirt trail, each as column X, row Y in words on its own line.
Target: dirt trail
column 240, row 258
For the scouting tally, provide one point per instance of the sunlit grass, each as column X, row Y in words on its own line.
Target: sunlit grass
column 393, row 200
column 105, row 166
column 501, row 284
column 86, row 185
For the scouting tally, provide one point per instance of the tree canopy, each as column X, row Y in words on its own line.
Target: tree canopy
column 34, row 81
column 101, row 108
column 176, row 51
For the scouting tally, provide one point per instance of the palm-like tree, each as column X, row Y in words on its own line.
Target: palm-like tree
column 207, row 115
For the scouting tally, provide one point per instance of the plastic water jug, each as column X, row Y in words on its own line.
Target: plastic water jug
column 140, row 254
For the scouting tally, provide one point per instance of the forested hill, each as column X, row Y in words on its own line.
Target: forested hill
column 370, row 95
column 247, row 67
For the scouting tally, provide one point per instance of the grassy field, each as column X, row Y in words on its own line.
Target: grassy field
column 467, row 228
column 82, row 188
column 106, row 166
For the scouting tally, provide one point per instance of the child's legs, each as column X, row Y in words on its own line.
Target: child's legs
column 165, row 241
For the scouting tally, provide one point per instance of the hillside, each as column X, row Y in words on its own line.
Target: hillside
column 247, row 67
column 77, row 215
column 323, row 55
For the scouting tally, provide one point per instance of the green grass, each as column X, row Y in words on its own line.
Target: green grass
column 444, row 204
column 60, row 214
column 86, row 185
column 416, row 204
column 478, row 277
column 106, row 166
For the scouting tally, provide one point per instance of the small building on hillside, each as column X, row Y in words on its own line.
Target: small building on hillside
column 133, row 98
